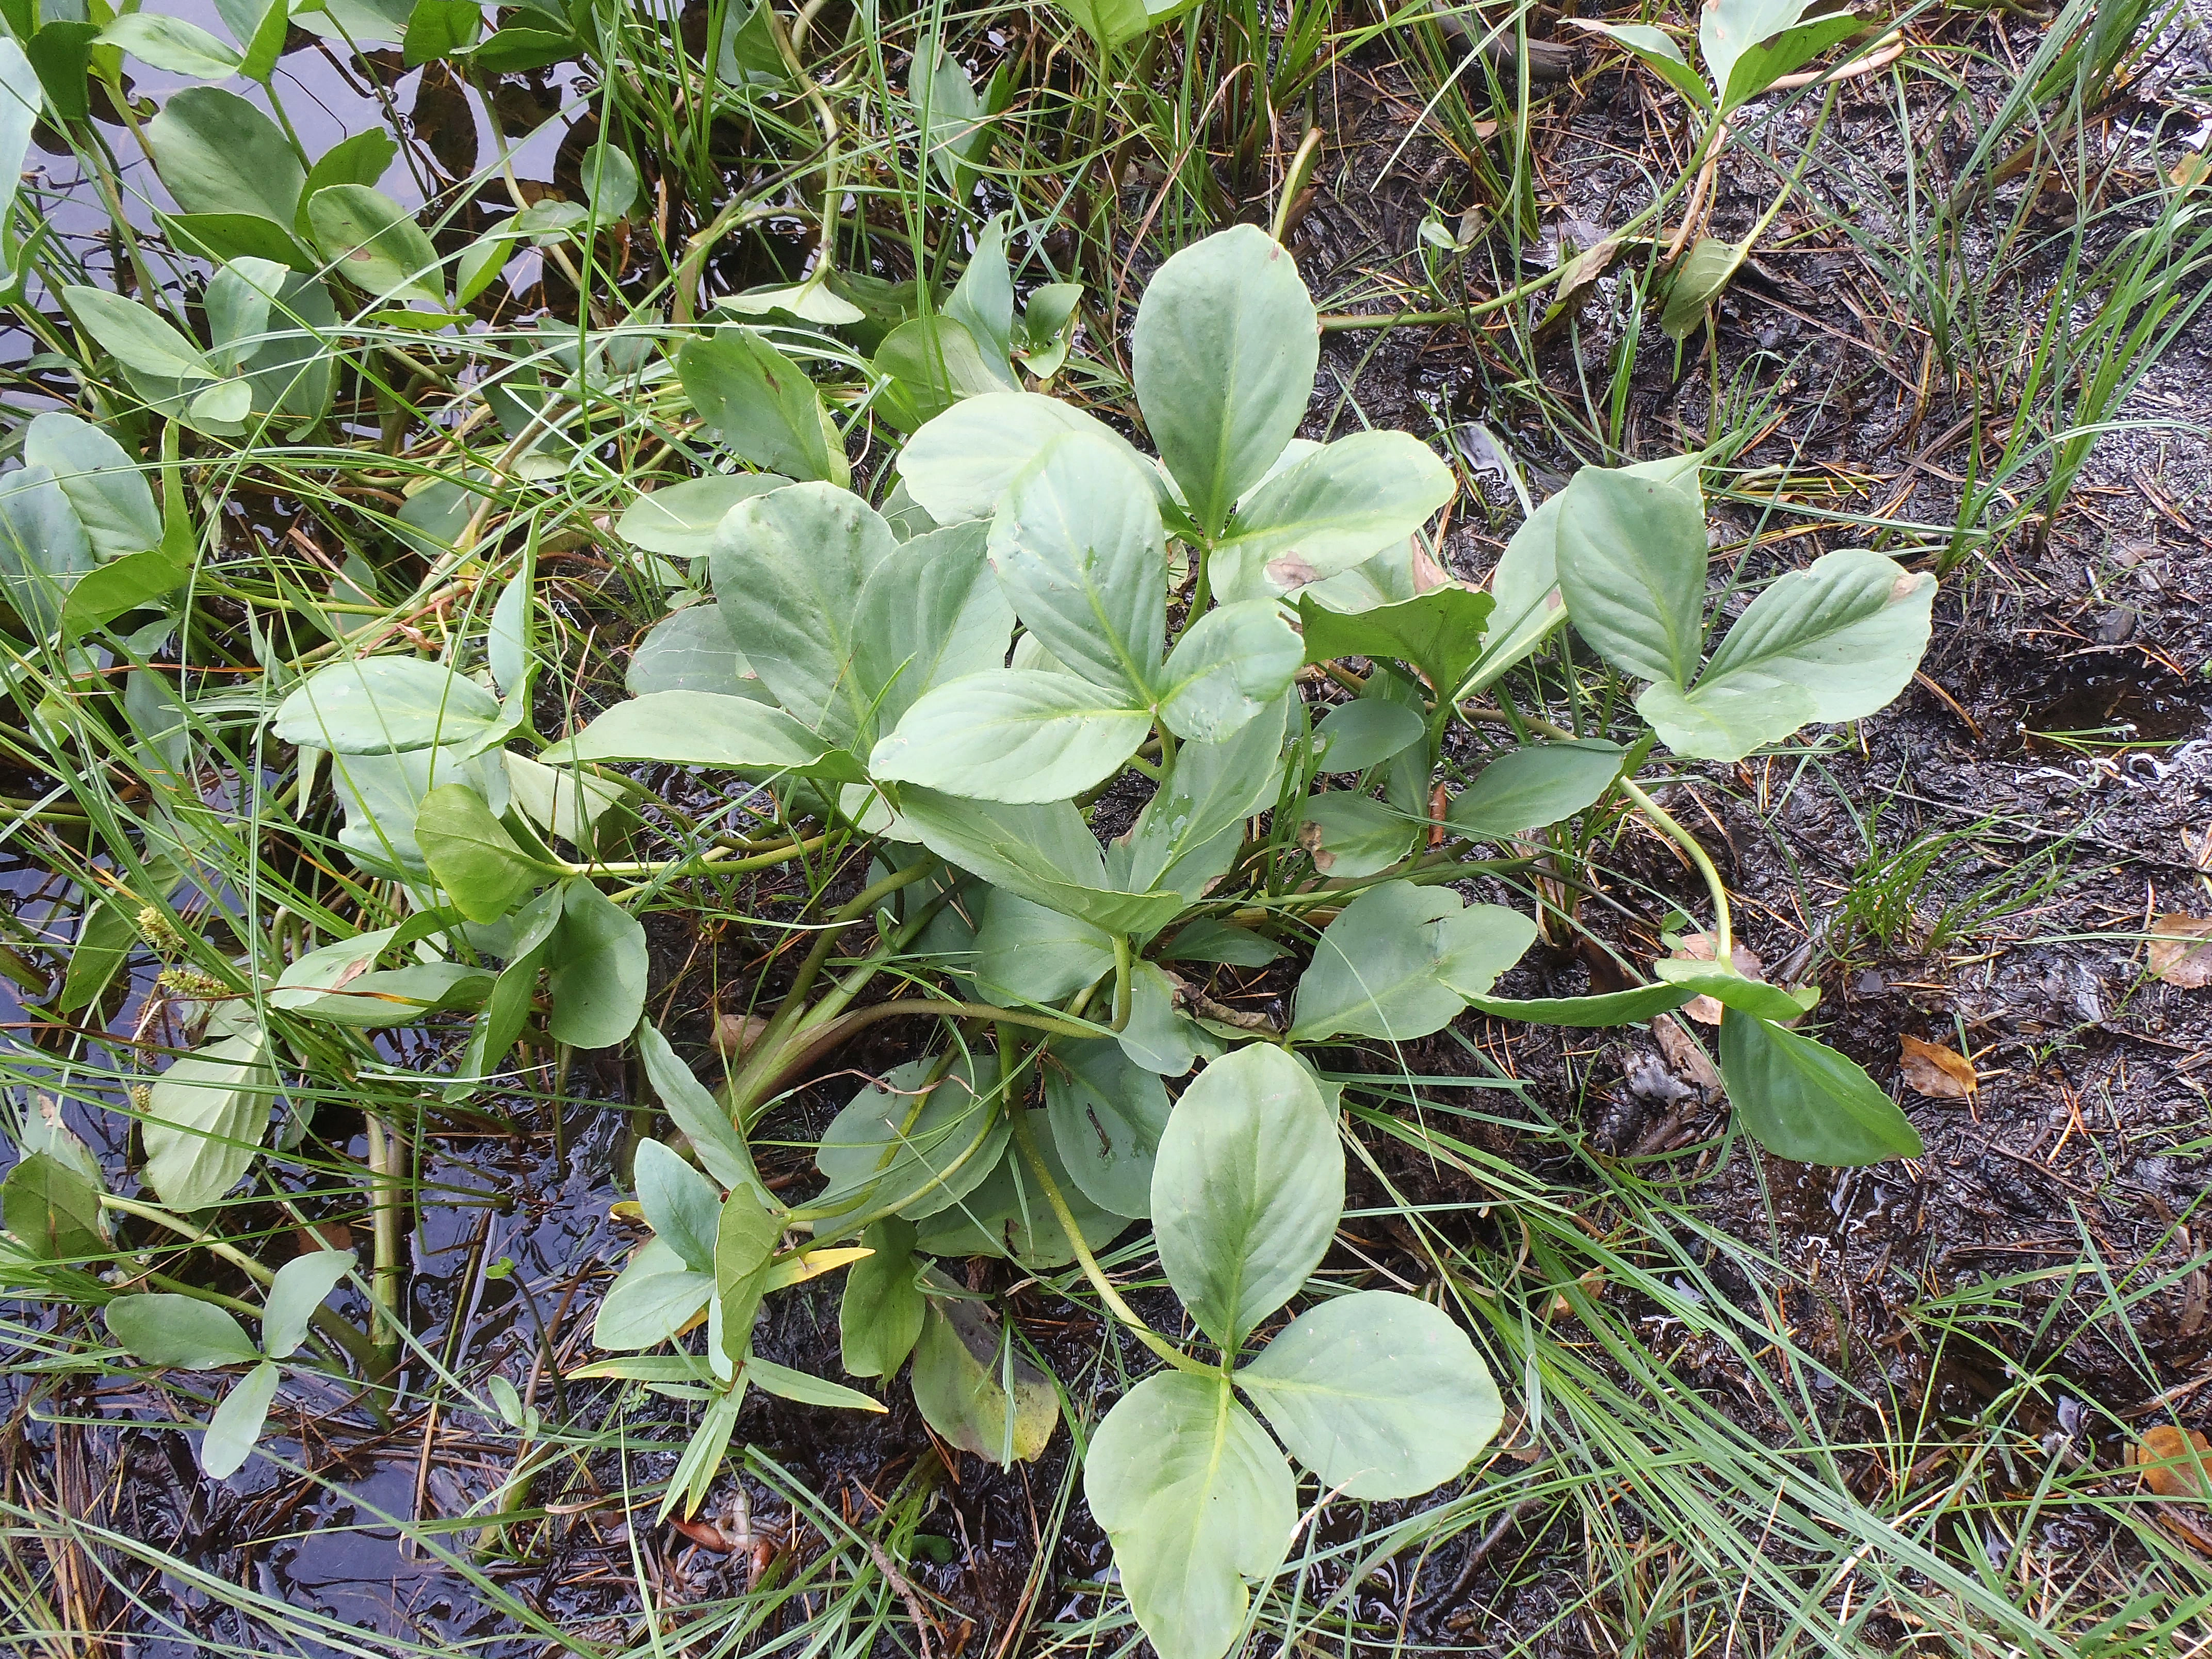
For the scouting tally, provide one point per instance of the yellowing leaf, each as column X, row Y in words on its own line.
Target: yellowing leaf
column 812, row 1265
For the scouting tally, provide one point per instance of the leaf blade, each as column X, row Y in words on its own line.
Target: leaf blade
column 238, row 1422
column 163, row 1328
column 1197, row 1501
column 1224, row 351
column 1401, row 961
column 1801, row 1100
column 1021, row 736
column 1631, row 565
column 301, row 1286
column 1246, row 1190
column 1381, row 1395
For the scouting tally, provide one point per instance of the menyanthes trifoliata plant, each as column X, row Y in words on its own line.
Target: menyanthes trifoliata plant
column 1236, row 655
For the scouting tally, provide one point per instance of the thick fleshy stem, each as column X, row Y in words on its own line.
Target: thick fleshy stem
column 1122, row 1311
column 1723, row 931
column 386, row 1271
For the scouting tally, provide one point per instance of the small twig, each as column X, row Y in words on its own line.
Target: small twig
column 1491, row 1541
column 907, row 1594
column 1880, row 56
column 1695, row 210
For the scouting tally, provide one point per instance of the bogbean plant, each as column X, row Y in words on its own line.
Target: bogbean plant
column 1239, row 655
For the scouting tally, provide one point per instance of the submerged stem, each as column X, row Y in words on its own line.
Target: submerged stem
column 384, row 1277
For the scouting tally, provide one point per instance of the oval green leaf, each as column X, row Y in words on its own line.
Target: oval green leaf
column 706, row 728
column 1078, row 546
column 1246, row 1189
column 880, row 1316
column 681, row 1207
column 1631, row 554
column 303, row 1285
column 237, row 1423
column 474, row 859
column 788, row 567
column 218, row 153
column 1225, row 349
column 1801, row 1100
column 598, row 966
column 182, row 1331
column 961, row 1370
column 1380, row 1396
column 1197, row 1502
column 1108, row 1116
column 1326, row 512
column 204, row 1119
column 896, row 1147
column 762, row 402
column 1012, row 734
column 1533, row 788
column 385, row 706
column 1402, row 961
column 375, row 243
column 1230, row 664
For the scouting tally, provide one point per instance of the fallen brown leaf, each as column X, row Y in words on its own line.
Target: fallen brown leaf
column 2178, row 1522
column 1309, row 839
column 703, row 1534
column 735, row 1033
column 2181, row 950
column 1699, row 947
column 1428, row 574
column 2166, row 1445
column 1686, row 1058
column 1940, row 1073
